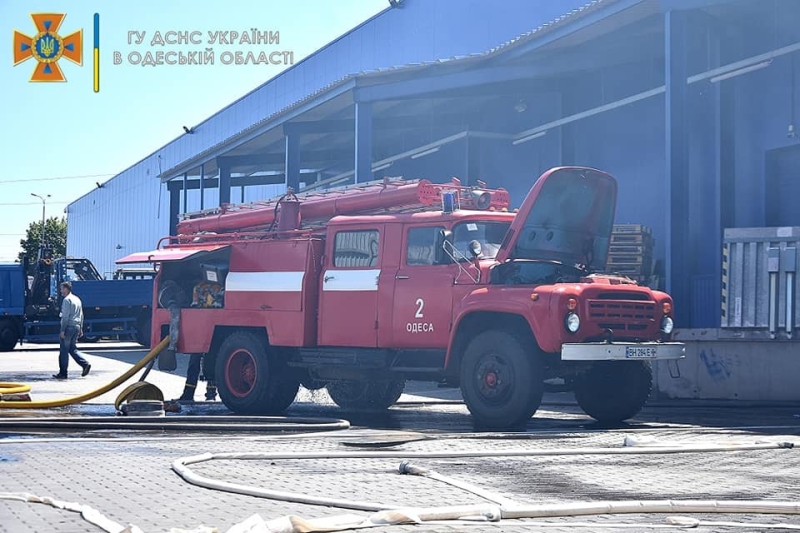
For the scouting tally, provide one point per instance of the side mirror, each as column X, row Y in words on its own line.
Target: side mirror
column 444, row 238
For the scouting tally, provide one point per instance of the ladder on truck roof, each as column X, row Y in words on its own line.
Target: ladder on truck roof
column 317, row 208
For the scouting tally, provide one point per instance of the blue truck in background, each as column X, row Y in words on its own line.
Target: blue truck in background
column 30, row 311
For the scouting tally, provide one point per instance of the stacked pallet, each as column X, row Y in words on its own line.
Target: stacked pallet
column 631, row 252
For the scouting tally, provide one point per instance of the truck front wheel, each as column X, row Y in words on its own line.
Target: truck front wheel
column 9, row 335
column 501, row 380
column 251, row 379
column 366, row 395
column 613, row 391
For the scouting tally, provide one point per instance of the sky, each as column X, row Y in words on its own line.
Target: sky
column 59, row 139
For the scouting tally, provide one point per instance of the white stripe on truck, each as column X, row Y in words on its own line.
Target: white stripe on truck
column 264, row 281
column 350, row 280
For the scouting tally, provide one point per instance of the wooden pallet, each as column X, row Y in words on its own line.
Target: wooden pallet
column 631, row 249
column 631, row 238
column 631, row 228
column 614, row 259
column 630, row 269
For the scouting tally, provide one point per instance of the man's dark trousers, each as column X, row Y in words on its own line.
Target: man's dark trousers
column 69, row 347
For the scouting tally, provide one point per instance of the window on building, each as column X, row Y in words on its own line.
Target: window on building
column 352, row 249
column 421, row 245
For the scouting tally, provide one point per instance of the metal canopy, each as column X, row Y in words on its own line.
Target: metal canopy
column 419, row 104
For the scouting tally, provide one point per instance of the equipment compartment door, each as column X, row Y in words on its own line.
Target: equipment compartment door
column 423, row 303
column 349, row 288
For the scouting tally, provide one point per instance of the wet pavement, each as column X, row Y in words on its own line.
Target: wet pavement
column 127, row 475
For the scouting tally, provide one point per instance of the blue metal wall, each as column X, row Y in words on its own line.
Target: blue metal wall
column 763, row 113
column 733, row 127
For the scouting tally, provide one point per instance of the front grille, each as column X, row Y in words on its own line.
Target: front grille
column 621, row 316
column 634, row 296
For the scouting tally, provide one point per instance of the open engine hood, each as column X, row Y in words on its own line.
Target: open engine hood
column 567, row 216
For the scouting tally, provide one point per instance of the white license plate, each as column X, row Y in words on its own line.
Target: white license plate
column 640, row 352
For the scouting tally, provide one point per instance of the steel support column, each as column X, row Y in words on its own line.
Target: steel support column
column 224, row 185
column 174, row 188
column 185, row 193
column 677, row 165
column 292, row 165
column 202, row 188
column 363, row 152
column 473, row 160
column 566, row 132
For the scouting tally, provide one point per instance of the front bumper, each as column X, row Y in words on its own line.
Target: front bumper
column 622, row 351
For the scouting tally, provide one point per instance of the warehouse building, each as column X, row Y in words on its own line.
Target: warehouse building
column 690, row 104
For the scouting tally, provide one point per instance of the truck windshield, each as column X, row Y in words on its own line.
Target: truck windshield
column 489, row 234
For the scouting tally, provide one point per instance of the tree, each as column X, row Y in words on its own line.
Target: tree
column 55, row 235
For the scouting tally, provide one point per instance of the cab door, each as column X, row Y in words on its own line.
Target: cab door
column 348, row 310
column 423, row 301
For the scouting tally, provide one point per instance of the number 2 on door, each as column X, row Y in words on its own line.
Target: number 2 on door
column 420, row 305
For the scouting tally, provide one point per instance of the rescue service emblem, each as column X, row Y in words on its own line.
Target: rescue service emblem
column 47, row 47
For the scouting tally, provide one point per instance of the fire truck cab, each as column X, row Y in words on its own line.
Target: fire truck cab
column 359, row 292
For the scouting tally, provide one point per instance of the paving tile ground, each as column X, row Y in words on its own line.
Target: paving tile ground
column 128, row 476
column 132, row 482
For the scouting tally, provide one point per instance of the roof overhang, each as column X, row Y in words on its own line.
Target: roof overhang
column 342, row 88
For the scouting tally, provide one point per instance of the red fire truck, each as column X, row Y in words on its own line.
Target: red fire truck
column 360, row 289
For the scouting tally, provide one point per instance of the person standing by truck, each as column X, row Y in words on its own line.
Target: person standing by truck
column 193, row 374
column 71, row 329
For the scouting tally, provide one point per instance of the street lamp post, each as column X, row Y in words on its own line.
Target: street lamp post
column 41, row 239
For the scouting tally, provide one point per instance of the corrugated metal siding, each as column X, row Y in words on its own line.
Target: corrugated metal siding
column 746, row 301
column 124, row 212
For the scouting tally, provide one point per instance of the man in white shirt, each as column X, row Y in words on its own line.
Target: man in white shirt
column 71, row 329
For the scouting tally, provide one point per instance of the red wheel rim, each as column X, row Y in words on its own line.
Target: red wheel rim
column 241, row 373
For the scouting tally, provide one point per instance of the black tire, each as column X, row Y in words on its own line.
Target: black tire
column 614, row 391
column 143, row 329
column 9, row 335
column 250, row 379
column 501, row 380
column 366, row 395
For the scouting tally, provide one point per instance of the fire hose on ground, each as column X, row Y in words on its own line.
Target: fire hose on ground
column 495, row 513
column 501, row 508
column 14, row 388
column 176, row 423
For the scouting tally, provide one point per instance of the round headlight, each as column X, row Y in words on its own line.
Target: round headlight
column 667, row 325
column 572, row 322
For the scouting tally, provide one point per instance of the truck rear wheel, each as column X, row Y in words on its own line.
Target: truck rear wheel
column 613, row 391
column 9, row 335
column 143, row 329
column 250, row 379
column 501, row 380
column 366, row 395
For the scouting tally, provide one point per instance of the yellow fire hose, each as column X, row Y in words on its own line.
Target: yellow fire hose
column 17, row 388
column 13, row 388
